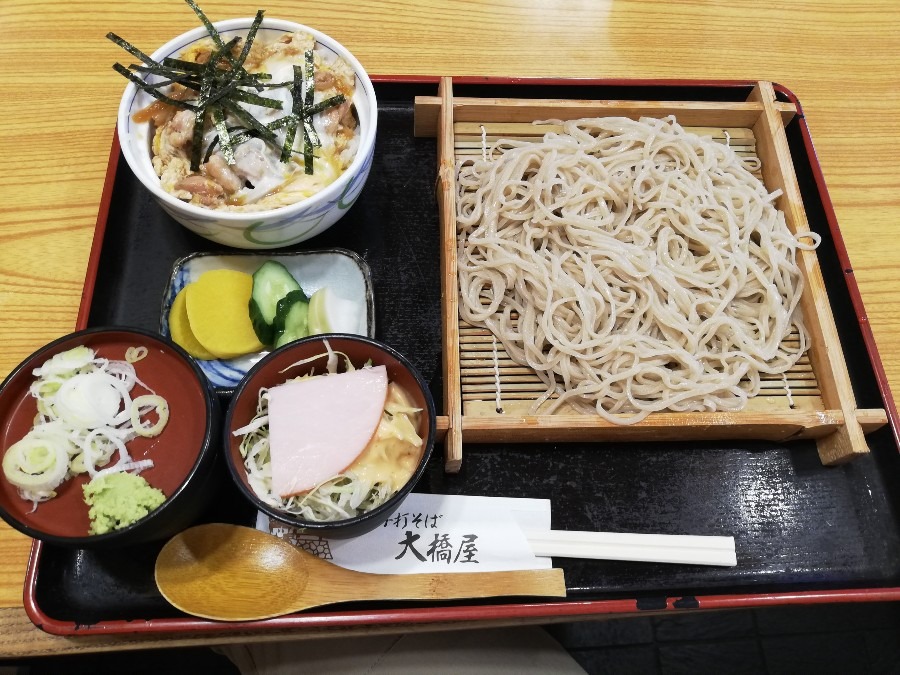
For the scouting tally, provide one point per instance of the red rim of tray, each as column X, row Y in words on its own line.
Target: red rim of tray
column 482, row 613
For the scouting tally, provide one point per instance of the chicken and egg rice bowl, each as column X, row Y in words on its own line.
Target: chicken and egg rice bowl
column 258, row 177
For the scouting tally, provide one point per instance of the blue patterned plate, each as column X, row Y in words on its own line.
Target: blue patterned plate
column 343, row 272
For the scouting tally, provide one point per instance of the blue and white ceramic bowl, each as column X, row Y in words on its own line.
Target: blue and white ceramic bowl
column 272, row 228
column 342, row 271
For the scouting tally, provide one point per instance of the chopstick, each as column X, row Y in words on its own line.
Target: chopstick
column 664, row 548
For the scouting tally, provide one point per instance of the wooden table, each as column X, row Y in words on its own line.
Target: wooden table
column 59, row 101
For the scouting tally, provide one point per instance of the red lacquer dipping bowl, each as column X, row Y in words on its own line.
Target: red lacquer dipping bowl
column 183, row 454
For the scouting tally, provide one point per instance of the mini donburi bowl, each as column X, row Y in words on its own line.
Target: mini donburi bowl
column 183, row 454
column 267, row 373
column 267, row 229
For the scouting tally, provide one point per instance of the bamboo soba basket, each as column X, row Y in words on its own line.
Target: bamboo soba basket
column 814, row 400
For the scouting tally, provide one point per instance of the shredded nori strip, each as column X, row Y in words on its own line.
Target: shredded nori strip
column 255, row 99
column 309, row 86
column 199, row 120
column 251, row 36
column 152, row 90
column 230, row 88
column 323, row 105
column 208, row 82
column 224, row 137
column 280, row 123
column 290, row 133
column 131, row 49
column 310, row 138
column 197, row 139
column 252, row 79
column 300, row 92
column 310, row 131
column 237, row 134
column 213, row 33
column 187, row 80
column 221, row 84
column 181, row 64
column 250, row 121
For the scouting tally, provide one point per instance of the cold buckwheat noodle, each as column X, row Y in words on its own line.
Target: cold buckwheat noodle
column 635, row 266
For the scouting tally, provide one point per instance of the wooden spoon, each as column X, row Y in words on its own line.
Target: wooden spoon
column 234, row 573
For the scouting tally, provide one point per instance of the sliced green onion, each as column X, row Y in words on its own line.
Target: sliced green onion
column 36, row 464
column 146, row 403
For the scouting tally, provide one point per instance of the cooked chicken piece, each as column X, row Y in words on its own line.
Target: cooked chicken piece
column 348, row 120
column 172, row 140
column 160, row 112
column 344, row 77
column 172, row 173
column 324, row 79
column 202, row 189
column 157, row 112
column 334, row 117
column 181, row 128
column 217, row 169
column 251, row 161
column 292, row 44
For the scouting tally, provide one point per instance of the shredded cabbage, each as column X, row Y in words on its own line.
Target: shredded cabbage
column 346, row 495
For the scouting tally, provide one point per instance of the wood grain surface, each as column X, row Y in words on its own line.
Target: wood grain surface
column 59, row 98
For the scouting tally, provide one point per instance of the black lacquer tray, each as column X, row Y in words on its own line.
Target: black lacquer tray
column 804, row 532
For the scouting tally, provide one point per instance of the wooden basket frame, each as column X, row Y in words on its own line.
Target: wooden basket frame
column 838, row 426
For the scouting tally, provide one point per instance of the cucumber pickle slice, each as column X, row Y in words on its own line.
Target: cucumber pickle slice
column 271, row 282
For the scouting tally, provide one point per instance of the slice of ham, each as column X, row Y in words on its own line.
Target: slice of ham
column 320, row 425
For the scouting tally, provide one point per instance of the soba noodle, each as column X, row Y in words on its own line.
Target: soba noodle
column 634, row 266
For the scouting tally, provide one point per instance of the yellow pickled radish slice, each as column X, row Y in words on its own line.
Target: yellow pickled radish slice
column 217, row 308
column 180, row 329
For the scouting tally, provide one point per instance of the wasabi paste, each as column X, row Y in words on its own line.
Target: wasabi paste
column 118, row 500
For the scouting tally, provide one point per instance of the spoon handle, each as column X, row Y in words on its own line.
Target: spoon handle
column 445, row 586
